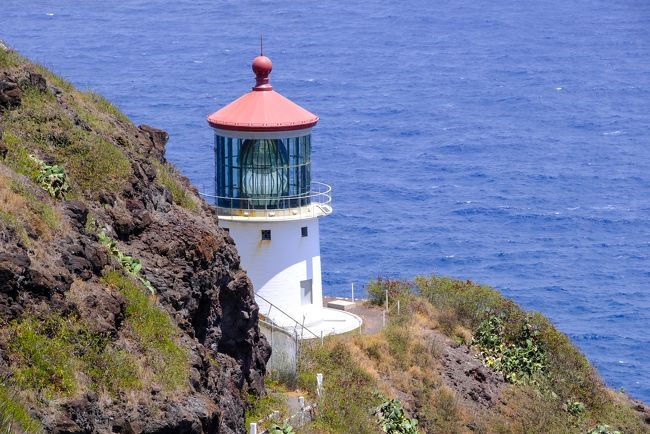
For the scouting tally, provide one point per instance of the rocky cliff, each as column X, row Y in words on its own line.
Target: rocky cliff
column 123, row 307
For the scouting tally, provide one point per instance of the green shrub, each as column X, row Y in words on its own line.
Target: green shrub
column 574, row 408
column 52, row 178
column 281, row 429
column 155, row 332
column 520, row 358
column 167, row 178
column 397, row 290
column 470, row 302
column 130, row 264
column 392, row 418
column 14, row 416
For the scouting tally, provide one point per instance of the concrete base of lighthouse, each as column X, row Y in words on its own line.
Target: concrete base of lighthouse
column 282, row 259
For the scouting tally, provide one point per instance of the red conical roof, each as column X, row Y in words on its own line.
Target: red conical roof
column 262, row 109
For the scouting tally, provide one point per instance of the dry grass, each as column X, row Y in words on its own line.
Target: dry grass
column 21, row 211
column 83, row 142
column 403, row 361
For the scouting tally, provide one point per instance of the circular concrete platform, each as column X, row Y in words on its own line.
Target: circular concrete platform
column 334, row 322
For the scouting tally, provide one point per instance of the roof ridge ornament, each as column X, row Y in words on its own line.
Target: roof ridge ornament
column 260, row 111
column 262, row 67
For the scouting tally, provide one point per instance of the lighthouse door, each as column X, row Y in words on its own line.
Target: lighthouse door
column 307, row 294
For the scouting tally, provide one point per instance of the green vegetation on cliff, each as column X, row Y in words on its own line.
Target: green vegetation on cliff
column 154, row 331
column 68, row 133
column 168, row 179
column 72, row 169
column 460, row 358
column 60, row 357
column 14, row 416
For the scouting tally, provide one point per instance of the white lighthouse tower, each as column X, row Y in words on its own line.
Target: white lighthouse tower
column 266, row 199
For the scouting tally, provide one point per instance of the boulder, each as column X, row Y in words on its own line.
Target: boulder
column 10, row 93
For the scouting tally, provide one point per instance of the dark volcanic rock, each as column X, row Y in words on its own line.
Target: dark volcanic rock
column 190, row 261
column 78, row 213
column 157, row 138
column 37, row 81
column 10, row 93
column 465, row 373
column 104, row 310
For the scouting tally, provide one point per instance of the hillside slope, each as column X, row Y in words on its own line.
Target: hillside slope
column 461, row 358
column 123, row 307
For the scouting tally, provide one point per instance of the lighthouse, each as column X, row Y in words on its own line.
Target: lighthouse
column 266, row 199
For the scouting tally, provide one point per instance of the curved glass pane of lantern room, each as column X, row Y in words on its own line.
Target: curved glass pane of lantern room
column 264, row 172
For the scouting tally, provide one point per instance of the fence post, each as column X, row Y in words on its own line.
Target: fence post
column 301, row 401
column 386, row 307
column 397, row 307
column 321, row 338
column 319, row 385
column 253, row 428
column 297, row 350
column 352, row 291
column 383, row 319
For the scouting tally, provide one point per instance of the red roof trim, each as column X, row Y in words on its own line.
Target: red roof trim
column 259, row 128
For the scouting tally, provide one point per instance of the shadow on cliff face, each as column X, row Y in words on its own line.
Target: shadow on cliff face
column 52, row 263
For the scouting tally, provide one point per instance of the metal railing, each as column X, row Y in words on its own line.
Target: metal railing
column 297, row 325
column 317, row 200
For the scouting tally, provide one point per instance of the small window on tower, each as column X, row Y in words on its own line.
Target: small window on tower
column 304, row 231
column 266, row 235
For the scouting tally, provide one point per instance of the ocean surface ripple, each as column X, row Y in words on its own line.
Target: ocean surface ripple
column 506, row 142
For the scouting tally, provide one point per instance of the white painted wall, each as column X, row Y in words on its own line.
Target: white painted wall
column 283, row 364
column 277, row 267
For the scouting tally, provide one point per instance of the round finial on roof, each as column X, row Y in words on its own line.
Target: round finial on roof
column 262, row 66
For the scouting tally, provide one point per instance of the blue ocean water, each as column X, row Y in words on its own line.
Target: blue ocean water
column 506, row 142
